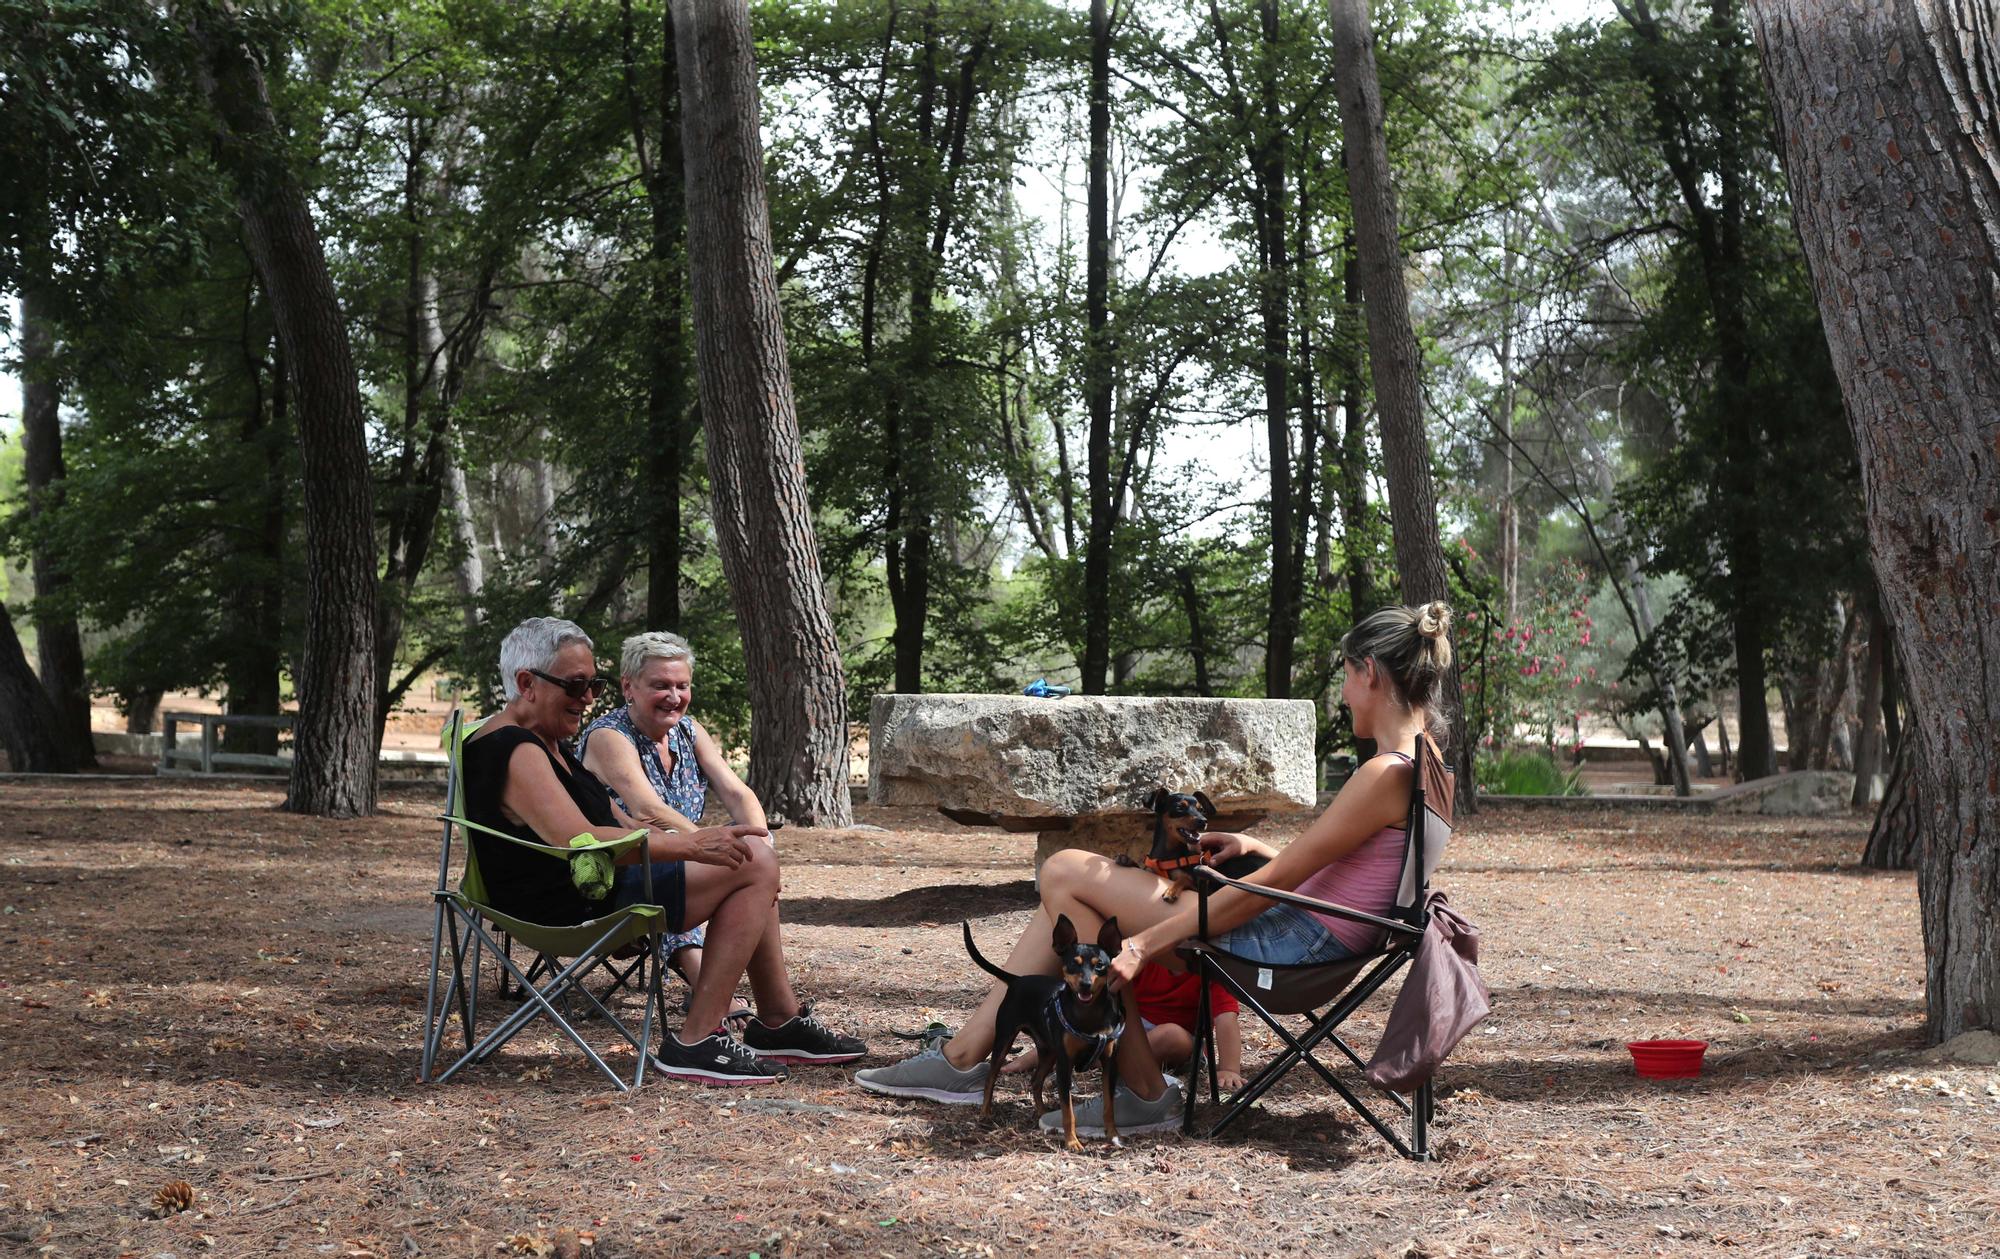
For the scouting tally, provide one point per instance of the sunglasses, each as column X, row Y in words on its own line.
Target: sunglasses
column 575, row 688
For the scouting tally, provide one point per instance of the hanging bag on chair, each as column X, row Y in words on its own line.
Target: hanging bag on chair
column 1442, row 999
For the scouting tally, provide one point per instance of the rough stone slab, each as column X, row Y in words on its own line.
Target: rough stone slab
column 1014, row 757
column 1804, row 793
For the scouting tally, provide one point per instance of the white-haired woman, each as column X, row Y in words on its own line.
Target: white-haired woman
column 520, row 778
column 660, row 764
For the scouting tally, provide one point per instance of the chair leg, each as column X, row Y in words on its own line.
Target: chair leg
column 472, row 1009
column 465, row 1011
column 1420, row 1122
column 431, row 994
column 655, row 991
column 541, row 1001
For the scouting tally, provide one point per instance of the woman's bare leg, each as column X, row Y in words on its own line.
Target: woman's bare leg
column 739, row 907
column 1089, row 888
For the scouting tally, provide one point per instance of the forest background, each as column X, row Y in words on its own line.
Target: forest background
column 1648, row 493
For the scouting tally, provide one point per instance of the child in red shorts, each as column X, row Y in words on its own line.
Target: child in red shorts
column 1168, row 1004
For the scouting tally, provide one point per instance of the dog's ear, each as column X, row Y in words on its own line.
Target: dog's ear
column 1109, row 937
column 1063, row 938
column 1156, row 800
column 1207, row 805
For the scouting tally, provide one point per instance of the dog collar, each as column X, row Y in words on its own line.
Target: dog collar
column 1170, row 864
column 1098, row 1039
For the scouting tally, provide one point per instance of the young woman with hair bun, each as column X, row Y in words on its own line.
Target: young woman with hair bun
column 1352, row 855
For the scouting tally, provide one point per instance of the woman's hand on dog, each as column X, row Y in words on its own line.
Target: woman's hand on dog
column 1222, row 845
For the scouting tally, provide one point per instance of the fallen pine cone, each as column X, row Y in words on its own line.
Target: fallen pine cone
column 173, row 1198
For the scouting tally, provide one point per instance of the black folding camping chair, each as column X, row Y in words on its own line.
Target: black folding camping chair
column 1290, row 999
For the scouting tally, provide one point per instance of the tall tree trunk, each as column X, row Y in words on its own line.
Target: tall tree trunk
column 1197, row 641
column 1281, row 620
column 253, row 673
column 27, row 718
column 1717, row 234
column 1097, row 376
column 1833, row 701
column 667, row 435
column 57, row 642
column 1868, row 708
column 1392, row 346
column 1897, row 836
column 1353, row 462
column 1892, row 150
column 763, row 523
column 333, row 774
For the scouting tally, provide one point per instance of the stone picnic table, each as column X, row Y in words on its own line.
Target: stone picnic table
column 1078, row 770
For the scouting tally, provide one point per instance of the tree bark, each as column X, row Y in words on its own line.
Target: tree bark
column 333, row 773
column 1868, row 708
column 763, row 522
column 27, row 717
column 1274, row 308
column 1097, row 374
column 667, row 430
column 58, row 644
column 1392, row 346
column 1892, row 151
column 1897, row 836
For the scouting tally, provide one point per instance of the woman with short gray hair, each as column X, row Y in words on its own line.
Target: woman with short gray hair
column 521, row 779
column 653, row 761
column 660, row 765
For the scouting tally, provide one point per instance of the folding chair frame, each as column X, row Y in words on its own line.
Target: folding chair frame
column 547, row 984
column 1405, row 932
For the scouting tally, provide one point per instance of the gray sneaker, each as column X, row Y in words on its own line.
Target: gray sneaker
column 1135, row 1113
column 928, row 1075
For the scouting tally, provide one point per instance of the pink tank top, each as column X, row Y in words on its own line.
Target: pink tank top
column 1366, row 879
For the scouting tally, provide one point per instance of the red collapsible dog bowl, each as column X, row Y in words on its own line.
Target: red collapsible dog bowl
column 1668, row 1059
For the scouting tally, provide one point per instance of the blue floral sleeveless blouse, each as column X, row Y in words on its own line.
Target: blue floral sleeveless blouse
column 684, row 787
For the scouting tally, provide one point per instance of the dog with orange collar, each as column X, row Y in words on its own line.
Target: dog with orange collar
column 1179, row 820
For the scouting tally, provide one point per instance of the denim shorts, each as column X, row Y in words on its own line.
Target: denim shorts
column 628, row 887
column 1284, row 935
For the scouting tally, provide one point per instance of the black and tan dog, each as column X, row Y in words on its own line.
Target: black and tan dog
column 1073, row 1019
column 1179, row 821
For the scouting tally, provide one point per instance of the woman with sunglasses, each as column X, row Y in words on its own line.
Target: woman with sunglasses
column 521, row 778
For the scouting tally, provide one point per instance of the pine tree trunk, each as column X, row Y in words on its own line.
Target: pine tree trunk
column 667, row 435
column 1868, row 743
column 1392, row 346
column 1892, row 151
column 333, row 773
column 57, row 641
column 27, row 718
column 1897, row 836
column 763, row 523
column 1281, row 621
column 1097, row 379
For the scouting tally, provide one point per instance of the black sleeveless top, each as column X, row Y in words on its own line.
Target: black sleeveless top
column 518, row 882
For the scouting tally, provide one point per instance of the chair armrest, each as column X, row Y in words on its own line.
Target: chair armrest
column 614, row 846
column 1303, row 902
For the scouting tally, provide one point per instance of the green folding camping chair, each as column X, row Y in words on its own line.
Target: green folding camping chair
column 467, row 922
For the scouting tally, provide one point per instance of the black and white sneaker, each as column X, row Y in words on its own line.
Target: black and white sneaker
column 802, row 1039
column 714, row 1059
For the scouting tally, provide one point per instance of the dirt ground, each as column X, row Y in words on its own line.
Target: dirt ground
column 195, row 987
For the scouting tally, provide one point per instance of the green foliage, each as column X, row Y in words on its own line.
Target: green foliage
column 1525, row 772
column 497, row 155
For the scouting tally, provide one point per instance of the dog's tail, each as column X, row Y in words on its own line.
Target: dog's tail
column 973, row 949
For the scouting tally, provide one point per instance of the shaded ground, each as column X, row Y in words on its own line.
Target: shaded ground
column 199, row 988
